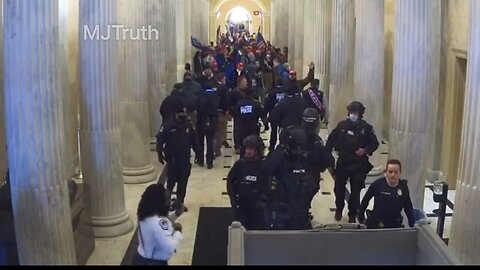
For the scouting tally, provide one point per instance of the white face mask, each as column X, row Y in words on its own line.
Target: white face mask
column 353, row 117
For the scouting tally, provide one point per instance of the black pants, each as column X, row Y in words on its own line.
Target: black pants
column 251, row 216
column 178, row 172
column 313, row 186
column 357, row 183
column 273, row 137
column 139, row 260
column 240, row 132
column 206, row 131
column 375, row 223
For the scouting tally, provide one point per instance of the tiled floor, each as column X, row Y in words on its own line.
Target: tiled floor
column 205, row 188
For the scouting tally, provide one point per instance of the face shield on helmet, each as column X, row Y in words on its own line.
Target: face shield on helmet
column 294, row 139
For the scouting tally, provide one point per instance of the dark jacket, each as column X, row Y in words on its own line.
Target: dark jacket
column 176, row 140
column 288, row 112
column 347, row 138
column 389, row 203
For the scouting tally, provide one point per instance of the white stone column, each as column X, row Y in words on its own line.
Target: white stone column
column 369, row 67
column 156, row 64
column 188, row 32
column 465, row 230
column 342, row 60
column 170, row 44
column 280, row 23
column 322, row 21
column 299, row 37
column 35, row 133
column 180, row 38
column 309, row 44
column 273, row 28
column 206, row 32
column 137, row 167
column 100, row 134
column 415, row 81
column 291, row 32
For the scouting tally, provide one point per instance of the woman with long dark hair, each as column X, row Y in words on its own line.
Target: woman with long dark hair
column 158, row 234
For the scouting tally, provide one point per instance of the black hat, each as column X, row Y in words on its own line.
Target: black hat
column 311, row 118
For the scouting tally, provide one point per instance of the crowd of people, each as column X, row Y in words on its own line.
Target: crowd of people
column 249, row 81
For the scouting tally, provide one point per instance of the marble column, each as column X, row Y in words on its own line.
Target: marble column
column 415, row 81
column 291, row 32
column 309, row 44
column 369, row 67
column 206, row 32
column 100, row 134
column 280, row 24
column 3, row 143
column 342, row 60
column 283, row 22
column 156, row 64
column 273, row 28
column 137, row 166
column 35, row 133
column 299, row 36
column 170, row 44
column 180, row 38
column 322, row 21
column 465, row 230
column 188, row 32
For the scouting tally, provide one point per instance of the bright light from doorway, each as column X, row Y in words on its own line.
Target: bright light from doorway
column 238, row 15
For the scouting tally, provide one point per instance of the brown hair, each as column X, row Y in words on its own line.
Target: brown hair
column 394, row 162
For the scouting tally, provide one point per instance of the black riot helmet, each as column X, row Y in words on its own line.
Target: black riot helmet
column 255, row 142
column 293, row 139
column 311, row 119
column 356, row 106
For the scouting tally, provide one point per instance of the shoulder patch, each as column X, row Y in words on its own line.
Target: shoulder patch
column 164, row 224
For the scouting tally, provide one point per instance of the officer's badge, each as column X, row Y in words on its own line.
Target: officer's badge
column 188, row 130
column 363, row 131
column 399, row 192
column 163, row 224
column 381, row 225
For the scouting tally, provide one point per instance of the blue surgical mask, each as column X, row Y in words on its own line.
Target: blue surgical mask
column 353, row 117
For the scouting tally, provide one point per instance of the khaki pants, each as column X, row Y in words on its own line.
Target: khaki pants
column 267, row 81
column 221, row 132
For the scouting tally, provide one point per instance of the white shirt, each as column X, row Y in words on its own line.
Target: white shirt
column 161, row 240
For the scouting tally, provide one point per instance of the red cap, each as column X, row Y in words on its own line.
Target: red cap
column 292, row 72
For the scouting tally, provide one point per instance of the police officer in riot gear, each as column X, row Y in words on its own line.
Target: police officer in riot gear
column 287, row 169
column 318, row 156
column 246, row 115
column 207, row 107
column 354, row 140
column 245, row 183
column 174, row 142
column 169, row 105
column 273, row 97
column 289, row 111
